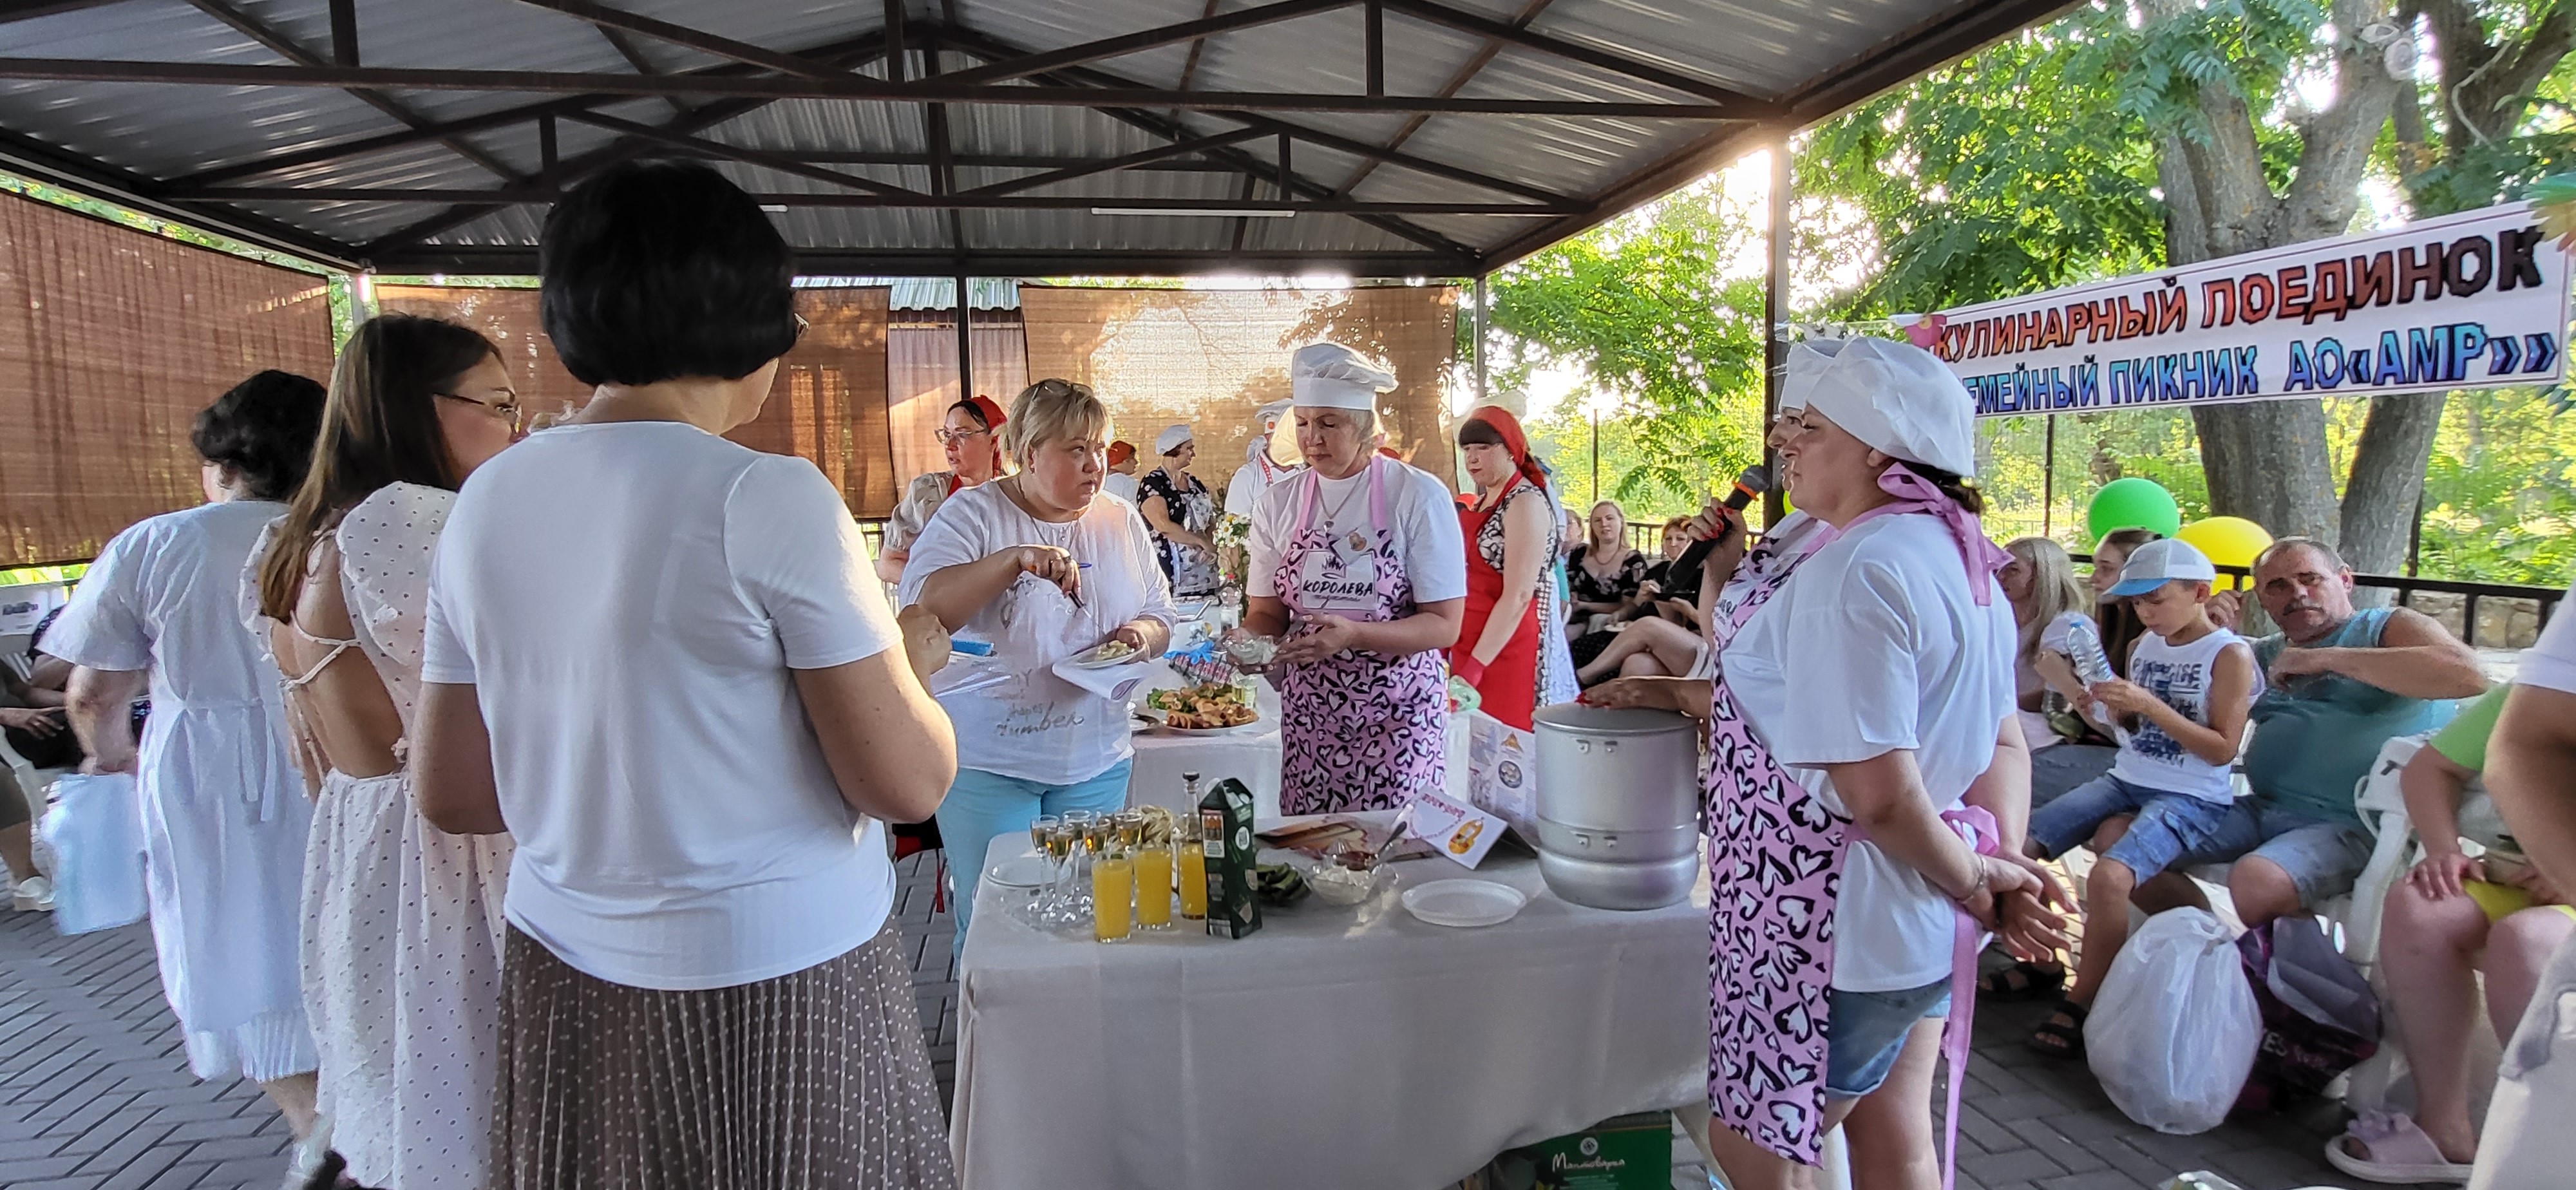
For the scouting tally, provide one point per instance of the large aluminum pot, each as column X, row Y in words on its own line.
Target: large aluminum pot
column 1618, row 805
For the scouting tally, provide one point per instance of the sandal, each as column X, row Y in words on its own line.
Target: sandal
column 2062, row 1034
column 2389, row 1148
column 2021, row 981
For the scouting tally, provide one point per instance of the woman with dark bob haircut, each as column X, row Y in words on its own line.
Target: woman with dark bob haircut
column 664, row 664
column 224, row 818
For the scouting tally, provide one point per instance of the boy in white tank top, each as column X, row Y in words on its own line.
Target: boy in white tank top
column 2190, row 686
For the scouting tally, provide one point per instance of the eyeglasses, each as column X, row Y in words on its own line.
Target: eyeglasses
column 802, row 326
column 949, row 437
column 507, row 411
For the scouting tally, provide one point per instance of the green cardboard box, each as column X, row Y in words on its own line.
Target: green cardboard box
column 1225, row 831
column 1626, row 1153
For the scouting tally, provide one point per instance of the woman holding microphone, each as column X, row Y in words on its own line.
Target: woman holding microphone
column 1356, row 562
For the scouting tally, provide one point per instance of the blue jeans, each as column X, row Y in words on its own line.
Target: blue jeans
column 982, row 806
column 1868, row 1032
column 2167, row 825
column 2322, row 856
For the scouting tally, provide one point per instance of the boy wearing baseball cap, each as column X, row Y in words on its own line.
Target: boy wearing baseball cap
column 2184, row 706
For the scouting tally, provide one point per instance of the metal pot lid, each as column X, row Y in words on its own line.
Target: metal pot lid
column 1590, row 720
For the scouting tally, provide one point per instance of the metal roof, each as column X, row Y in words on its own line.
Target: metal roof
column 998, row 137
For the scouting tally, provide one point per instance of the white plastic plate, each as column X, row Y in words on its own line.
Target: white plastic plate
column 1027, row 871
column 1464, row 903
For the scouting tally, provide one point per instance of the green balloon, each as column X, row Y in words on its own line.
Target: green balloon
column 2133, row 503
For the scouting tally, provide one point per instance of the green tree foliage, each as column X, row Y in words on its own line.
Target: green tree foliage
column 1658, row 309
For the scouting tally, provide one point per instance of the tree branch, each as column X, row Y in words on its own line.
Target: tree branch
column 2334, row 148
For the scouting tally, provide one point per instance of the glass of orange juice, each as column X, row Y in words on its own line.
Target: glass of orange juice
column 1154, row 882
column 1113, row 884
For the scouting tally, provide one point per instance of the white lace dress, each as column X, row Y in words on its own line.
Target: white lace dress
column 402, row 921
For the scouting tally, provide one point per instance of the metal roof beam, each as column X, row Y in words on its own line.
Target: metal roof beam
column 1092, row 76
column 681, row 35
column 36, row 159
column 853, row 52
column 1130, row 161
column 627, row 49
column 277, row 42
column 763, row 87
column 904, row 201
column 1171, row 129
column 1521, row 35
column 1458, row 81
column 28, row 10
column 1128, row 43
column 992, row 262
column 564, row 173
column 763, row 159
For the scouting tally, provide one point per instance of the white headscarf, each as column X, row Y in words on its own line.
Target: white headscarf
column 1171, row 439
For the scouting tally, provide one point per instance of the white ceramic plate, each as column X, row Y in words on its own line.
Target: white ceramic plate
column 1027, row 871
column 1464, row 903
column 1093, row 658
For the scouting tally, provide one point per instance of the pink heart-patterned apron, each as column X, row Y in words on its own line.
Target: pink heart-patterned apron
column 1775, row 867
column 1357, row 730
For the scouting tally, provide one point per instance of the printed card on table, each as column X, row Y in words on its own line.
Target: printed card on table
column 1459, row 832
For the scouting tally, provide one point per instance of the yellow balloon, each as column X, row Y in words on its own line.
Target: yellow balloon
column 2227, row 541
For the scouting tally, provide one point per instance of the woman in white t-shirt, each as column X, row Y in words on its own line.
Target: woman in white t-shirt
column 1042, row 567
column 402, row 922
column 1866, row 701
column 1358, row 567
column 665, row 665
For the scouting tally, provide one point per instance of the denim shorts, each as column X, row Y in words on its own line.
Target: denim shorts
column 2322, row 856
column 2167, row 826
column 1868, row 1031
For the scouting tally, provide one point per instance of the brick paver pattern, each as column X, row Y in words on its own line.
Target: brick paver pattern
column 95, row 1092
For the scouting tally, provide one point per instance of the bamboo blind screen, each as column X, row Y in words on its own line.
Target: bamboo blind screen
column 116, row 338
column 1212, row 357
column 828, row 404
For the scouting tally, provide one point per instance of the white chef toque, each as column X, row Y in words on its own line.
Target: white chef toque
column 1331, row 376
column 1170, row 439
column 1897, row 398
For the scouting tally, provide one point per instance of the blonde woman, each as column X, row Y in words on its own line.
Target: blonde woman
column 1042, row 567
column 2040, row 581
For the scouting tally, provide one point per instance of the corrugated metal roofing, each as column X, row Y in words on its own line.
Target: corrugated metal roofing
column 114, row 108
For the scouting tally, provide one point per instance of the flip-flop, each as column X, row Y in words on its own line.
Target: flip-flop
column 2400, row 1152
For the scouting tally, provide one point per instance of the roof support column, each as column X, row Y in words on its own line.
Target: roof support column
column 1775, row 326
column 1458, row 459
column 965, row 340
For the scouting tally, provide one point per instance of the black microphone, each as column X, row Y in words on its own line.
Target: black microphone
column 1753, row 482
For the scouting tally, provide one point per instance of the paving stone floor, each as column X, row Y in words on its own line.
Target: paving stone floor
column 95, row 1092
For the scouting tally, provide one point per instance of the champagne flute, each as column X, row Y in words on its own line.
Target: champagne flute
column 1043, row 902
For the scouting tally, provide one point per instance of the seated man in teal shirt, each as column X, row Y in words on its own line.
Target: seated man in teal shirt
column 2342, row 683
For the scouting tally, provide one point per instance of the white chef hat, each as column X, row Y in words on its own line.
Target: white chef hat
column 1331, row 376
column 1171, row 439
column 1271, row 413
column 1897, row 398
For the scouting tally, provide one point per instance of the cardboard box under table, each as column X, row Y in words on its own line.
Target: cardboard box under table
column 1349, row 1047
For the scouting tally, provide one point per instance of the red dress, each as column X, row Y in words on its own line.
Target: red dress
column 1509, row 689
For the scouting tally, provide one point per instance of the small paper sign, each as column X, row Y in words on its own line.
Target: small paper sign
column 1459, row 832
column 1114, row 682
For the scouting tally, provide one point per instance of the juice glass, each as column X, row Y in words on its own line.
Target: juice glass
column 1113, row 880
column 1193, row 872
column 1154, row 885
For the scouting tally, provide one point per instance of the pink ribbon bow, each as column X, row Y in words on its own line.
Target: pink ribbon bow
column 1981, row 556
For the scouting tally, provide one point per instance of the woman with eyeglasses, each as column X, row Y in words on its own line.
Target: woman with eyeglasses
column 971, row 437
column 402, row 946
column 224, row 823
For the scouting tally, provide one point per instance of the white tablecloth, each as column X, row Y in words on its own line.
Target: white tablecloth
column 1250, row 756
column 1345, row 1047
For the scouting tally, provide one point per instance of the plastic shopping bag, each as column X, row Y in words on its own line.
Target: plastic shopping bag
column 96, row 830
column 2173, row 1034
column 2320, row 1017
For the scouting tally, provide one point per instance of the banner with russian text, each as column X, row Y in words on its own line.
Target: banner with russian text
column 2473, row 300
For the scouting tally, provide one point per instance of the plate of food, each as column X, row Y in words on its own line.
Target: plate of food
column 1105, row 654
column 1203, row 709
